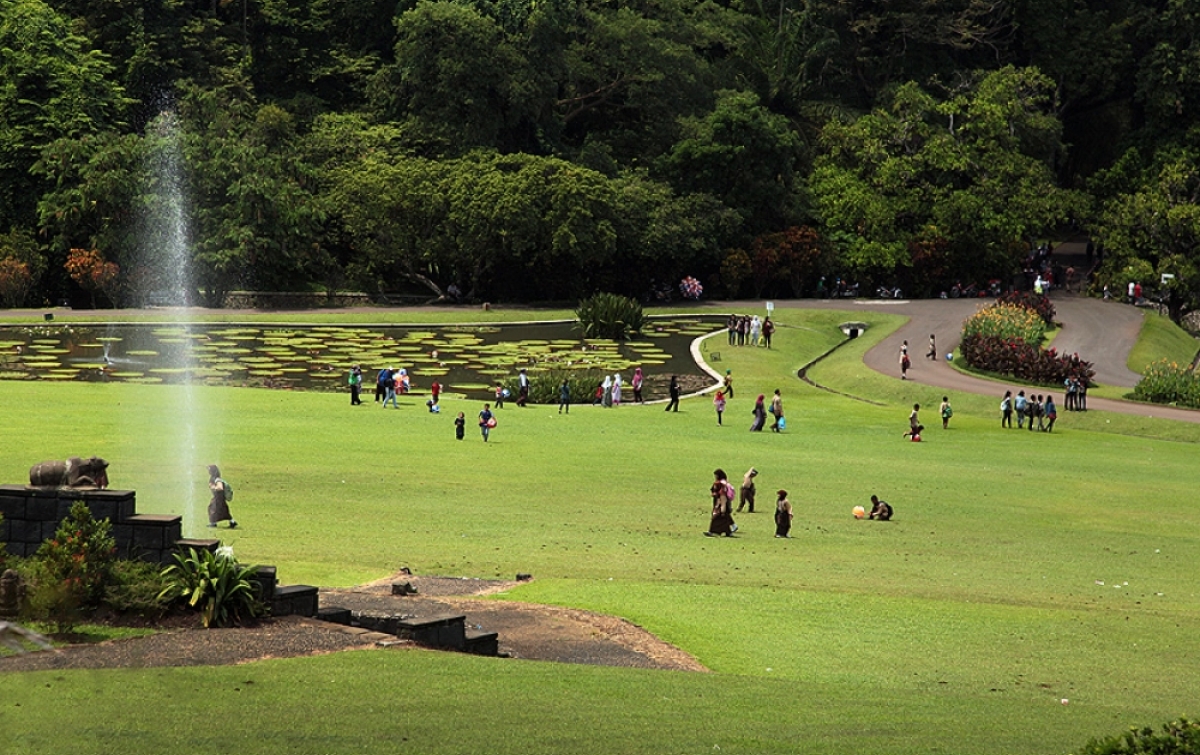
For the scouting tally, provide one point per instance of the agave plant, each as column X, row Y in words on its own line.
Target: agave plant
column 610, row 316
column 216, row 584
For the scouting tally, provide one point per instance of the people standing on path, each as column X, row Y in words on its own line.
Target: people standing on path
column 777, row 411
column 636, row 384
column 946, row 412
column 932, row 353
column 355, row 380
column 606, row 399
column 721, row 521
column 760, row 415
column 731, row 325
column 914, row 423
column 719, row 405
column 564, row 397
column 755, row 330
column 746, row 494
column 783, row 514
column 768, row 330
column 1006, row 410
column 522, row 387
column 486, row 422
column 221, row 495
column 673, row 392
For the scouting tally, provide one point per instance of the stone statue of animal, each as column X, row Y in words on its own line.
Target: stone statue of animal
column 72, row 473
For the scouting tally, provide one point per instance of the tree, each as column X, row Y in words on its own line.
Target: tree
column 1154, row 226
column 93, row 273
column 743, row 155
column 972, row 170
column 51, row 85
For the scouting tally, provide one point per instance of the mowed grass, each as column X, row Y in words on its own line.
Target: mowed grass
column 958, row 627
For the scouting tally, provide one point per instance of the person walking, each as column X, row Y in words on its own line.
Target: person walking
column 1051, row 414
column 380, row 381
column 460, row 426
column 783, row 514
column 389, row 386
column 746, row 494
column 607, row 398
column 673, row 392
column 522, row 387
column 932, row 353
column 435, row 392
column 760, row 415
column 721, row 521
column 486, row 422
column 777, row 411
column 946, row 412
column 904, row 362
column 719, row 405
column 221, row 495
column 616, row 389
column 355, row 380
column 727, row 384
column 636, row 384
column 1006, row 410
column 564, row 397
column 1021, row 406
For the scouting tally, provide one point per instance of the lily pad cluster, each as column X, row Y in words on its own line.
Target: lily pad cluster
column 463, row 358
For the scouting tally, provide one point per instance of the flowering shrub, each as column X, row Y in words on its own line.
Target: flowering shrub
column 1023, row 360
column 1007, row 322
column 1166, row 382
column 72, row 569
column 1038, row 303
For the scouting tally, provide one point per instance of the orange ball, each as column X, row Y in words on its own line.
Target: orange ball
column 859, row 512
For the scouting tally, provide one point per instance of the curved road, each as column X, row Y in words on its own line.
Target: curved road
column 1103, row 332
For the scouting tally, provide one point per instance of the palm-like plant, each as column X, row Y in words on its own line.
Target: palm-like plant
column 218, row 585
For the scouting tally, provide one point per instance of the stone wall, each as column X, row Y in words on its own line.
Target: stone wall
column 32, row 515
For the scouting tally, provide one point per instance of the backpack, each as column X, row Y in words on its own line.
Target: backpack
column 228, row 490
column 729, row 494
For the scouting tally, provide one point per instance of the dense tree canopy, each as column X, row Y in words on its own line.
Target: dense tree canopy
column 546, row 150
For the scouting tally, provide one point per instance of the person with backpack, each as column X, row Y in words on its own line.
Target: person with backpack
column 1022, row 408
column 946, row 412
column 389, row 386
column 380, row 380
column 722, row 499
column 222, row 494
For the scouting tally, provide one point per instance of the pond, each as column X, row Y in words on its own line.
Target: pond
column 467, row 360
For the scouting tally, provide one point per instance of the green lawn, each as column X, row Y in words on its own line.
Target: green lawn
column 958, row 627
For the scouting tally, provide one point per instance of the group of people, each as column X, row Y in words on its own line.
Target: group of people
column 749, row 330
column 389, row 382
column 1031, row 408
column 610, row 391
column 721, row 522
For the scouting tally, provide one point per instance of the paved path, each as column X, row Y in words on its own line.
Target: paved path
column 1101, row 332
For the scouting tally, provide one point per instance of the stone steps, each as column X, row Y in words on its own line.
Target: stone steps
column 440, row 631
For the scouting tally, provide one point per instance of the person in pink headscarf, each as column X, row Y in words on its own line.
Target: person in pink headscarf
column 760, row 415
column 636, row 385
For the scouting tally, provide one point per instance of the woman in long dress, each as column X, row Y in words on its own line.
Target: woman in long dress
column 616, row 389
column 722, row 501
column 218, row 505
column 760, row 415
column 637, row 381
column 606, row 398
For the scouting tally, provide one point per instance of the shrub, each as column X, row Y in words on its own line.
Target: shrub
column 136, row 587
column 1008, row 322
column 610, row 316
column 1039, row 303
column 1166, row 382
column 544, row 385
column 81, row 554
column 1180, row 737
column 218, row 585
column 1023, row 360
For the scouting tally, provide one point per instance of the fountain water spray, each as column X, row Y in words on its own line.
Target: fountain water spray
column 165, row 279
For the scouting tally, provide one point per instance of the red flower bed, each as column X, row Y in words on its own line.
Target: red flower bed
column 1023, row 361
column 1039, row 303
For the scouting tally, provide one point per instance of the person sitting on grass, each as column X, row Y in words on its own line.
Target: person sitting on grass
column 881, row 510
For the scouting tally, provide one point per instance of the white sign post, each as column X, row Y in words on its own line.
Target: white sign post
column 770, row 307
